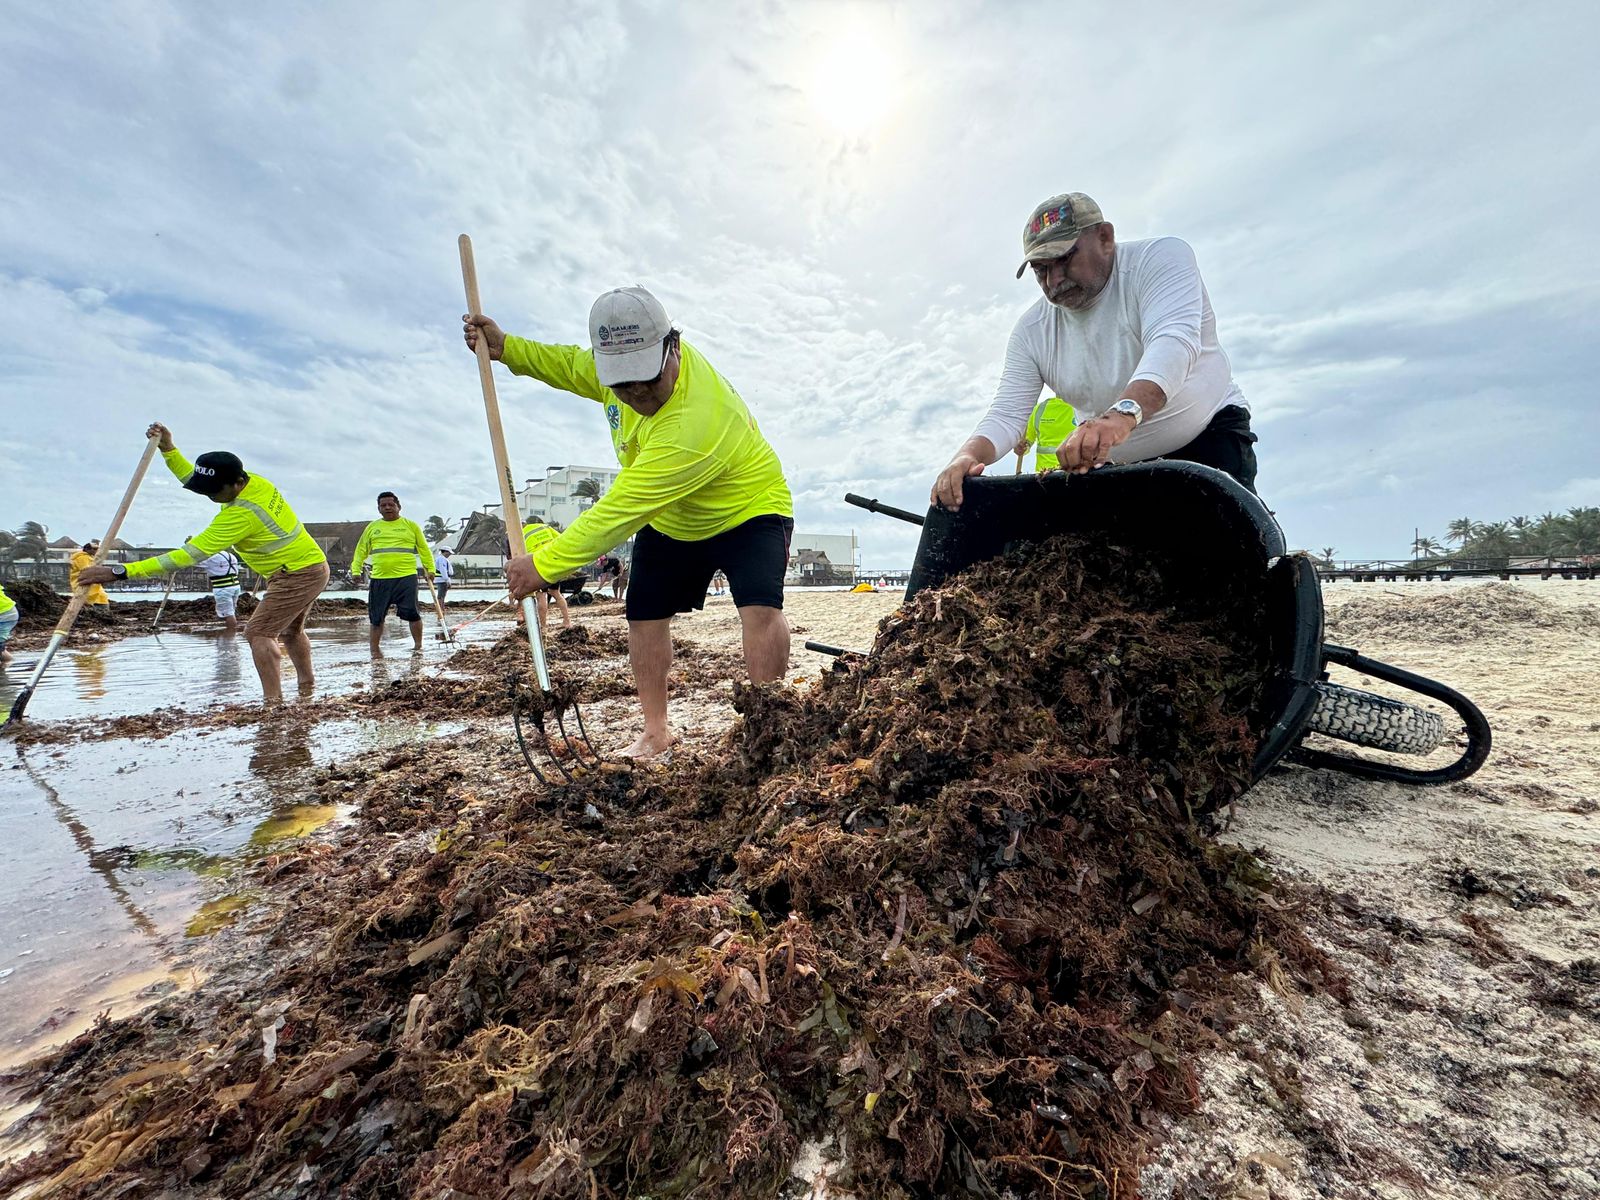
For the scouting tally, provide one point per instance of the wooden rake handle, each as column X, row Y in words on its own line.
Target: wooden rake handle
column 81, row 594
column 502, row 462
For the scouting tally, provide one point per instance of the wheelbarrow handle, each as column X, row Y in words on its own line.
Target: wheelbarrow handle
column 887, row 510
column 835, row 651
column 1479, row 738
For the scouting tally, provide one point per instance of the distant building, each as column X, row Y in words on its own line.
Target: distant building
column 813, row 555
column 556, row 498
column 478, row 546
column 338, row 541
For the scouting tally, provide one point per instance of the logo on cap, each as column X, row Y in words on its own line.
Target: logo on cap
column 1048, row 219
column 199, row 470
column 604, row 332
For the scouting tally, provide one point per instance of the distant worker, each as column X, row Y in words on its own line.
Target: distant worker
column 1126, row 335
column 607, row 567
column 534, row 535
column 443, row 572
column 699, row 485
column 81, row 558
column 1051, row 423
column 9, row 616
column 398, row 551
column 257, row 522
column 222, row 570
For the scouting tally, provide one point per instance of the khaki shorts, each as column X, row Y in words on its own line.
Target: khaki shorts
column 290, row 595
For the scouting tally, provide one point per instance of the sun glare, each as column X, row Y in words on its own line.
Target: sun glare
column 852, row 84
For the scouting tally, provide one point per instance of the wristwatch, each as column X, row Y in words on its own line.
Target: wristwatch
column 119, row 571
column 1128, row 408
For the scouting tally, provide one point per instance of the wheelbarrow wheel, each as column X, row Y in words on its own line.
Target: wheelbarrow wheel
column 1376, row 721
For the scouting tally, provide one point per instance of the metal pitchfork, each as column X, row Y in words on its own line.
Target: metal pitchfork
column 553, row 703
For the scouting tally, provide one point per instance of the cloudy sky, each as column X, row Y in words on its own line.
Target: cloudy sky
column 242, row 220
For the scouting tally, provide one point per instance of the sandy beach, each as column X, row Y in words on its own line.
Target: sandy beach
column 1459, row 1057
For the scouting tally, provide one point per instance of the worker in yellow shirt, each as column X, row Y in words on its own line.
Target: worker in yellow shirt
column 699, row 486
column 81, row 558
column 534, row 535
column 1049, row 425
column 257, row 522
column 9, row 616
column 398, row 552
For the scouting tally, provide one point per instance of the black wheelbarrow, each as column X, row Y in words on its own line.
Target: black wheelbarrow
column 1200, row 521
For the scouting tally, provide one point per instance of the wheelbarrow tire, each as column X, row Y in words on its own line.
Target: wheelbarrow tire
column 1376, row 721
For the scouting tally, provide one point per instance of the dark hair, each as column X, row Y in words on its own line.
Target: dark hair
column 391, row 496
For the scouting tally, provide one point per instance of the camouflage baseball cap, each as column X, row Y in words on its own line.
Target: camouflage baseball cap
column 1053, row 229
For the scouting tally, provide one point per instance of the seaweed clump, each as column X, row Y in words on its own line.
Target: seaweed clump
column 948, row 924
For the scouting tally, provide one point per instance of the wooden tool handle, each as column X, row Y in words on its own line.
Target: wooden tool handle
column 502, row 464
column 491, row 404
column 81, row 594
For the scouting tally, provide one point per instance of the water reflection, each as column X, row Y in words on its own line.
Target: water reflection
column 280, row 747
column 102, row 863
column 90, row 666
column 229, row 668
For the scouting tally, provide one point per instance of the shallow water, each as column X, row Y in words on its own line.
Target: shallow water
column 116, row 851
column 196, row 670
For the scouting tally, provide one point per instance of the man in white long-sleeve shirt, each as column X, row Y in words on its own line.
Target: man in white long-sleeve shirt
column 1126, row 335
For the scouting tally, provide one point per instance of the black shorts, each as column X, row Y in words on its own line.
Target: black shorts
column 442, row 586
column 669, row 576
column 399, row 594
column 1226, row 444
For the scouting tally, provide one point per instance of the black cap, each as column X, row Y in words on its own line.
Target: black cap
column 213, row 471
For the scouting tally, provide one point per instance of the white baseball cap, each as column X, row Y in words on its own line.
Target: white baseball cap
column 626, row 329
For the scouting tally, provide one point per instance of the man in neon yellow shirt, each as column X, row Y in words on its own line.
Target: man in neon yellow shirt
column 1050, row 424
column 81, row 558
column 9, row 616
column 257, row 522
column 398, row 551
column 534, row 535
column 700, row 487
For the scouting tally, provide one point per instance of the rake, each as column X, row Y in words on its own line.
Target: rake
column 75, row 605
column 155, row 623
column 444, row 633
column 550, row 702
column 490, row 607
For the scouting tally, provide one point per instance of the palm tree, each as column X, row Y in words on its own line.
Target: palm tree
column 587, row 489
column 8, row 545
column 1492, row 541
column 1580, row 529
column 33, row 539
column 1461, row 530
column 1425, row 547
column 436, row 529
column 1327, row 556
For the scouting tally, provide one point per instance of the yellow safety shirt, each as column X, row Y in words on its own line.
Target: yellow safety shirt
column 80, row 560
column 258, row 523
column 694, row 469
column 6, row 602
column 534, row 536
column 1051, row 423
column 395, row 547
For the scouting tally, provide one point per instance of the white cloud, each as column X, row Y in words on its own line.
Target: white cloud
column 244, row 222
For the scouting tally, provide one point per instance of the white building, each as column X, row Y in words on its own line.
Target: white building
column 554, row 500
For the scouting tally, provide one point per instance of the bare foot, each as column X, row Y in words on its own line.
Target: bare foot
column 649, row 745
